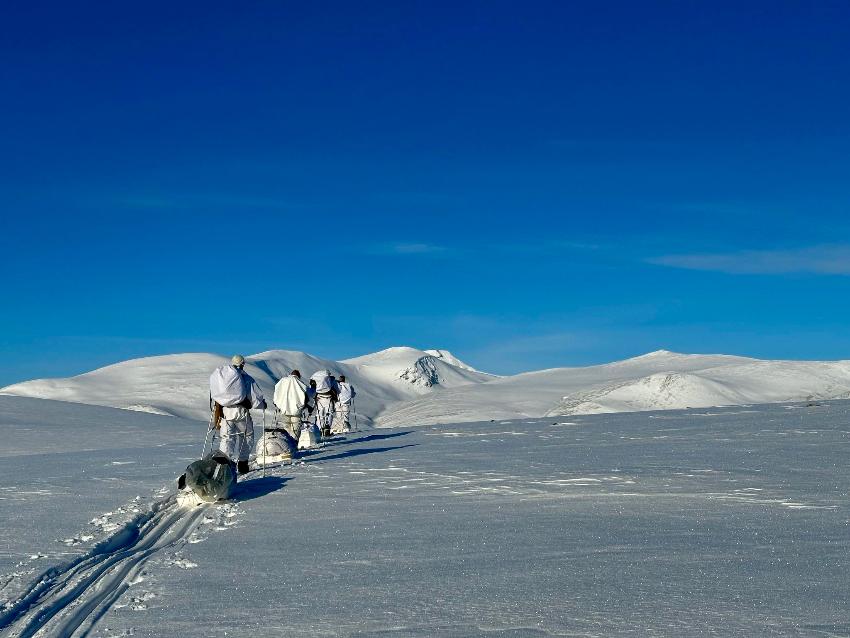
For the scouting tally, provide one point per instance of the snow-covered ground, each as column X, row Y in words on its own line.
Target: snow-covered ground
column 400, row 387
column 722, row 522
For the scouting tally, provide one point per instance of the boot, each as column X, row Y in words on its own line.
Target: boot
column 242, row 467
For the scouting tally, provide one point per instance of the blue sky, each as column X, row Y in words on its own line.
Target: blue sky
column 528, row 184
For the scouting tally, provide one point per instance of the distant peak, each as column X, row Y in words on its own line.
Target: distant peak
column 394, row 350
column 449, row 358
column 679, row 357
column 388, row 356
column 650, row 356
column 660, row 353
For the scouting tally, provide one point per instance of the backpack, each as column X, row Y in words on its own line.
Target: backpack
column 228, row 386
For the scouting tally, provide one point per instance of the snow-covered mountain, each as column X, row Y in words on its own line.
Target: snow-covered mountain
column 659, row 380
column 448, row 357
column 177, row 385
column 407, row 386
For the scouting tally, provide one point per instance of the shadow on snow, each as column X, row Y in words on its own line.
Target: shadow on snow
column 360, row 452
column 380, row 437
column 258, row 487
column 340, row 440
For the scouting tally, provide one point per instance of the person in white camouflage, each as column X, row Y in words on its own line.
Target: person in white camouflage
column 345, row 397
column 237, row 428
column 290, row 397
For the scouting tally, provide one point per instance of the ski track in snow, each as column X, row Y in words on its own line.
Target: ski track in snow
column 69, row 600
column 65, row 599
column 629, row 460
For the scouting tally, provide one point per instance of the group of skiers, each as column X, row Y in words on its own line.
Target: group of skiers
column 304, row 412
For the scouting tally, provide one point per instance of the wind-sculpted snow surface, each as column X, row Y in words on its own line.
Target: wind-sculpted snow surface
column 726, row 522
column 721, row 522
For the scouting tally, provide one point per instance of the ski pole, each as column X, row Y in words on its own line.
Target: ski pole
column 210, row 429
column 354, row 409
column 264, row 443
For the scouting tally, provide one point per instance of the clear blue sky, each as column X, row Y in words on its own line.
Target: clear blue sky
column 529, row 184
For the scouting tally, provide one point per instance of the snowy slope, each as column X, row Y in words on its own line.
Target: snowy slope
column 402, row 368
column 448, row 357
column 755, row 382
column 655, row 381
column 406, row 386
column 171, row 385
column 178, row 384
column 723, row 523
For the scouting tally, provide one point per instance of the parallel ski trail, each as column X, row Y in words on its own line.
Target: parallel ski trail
column 65, row 599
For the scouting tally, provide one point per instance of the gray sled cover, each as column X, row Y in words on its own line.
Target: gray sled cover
column 211, row 478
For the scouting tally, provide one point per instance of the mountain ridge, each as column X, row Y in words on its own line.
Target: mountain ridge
column 408, row 386
column 177, row 384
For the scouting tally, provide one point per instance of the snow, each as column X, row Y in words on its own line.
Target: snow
column 722, row 522
column 659, row 380
column 179, row 384
column 405, row 386
column 448, row 357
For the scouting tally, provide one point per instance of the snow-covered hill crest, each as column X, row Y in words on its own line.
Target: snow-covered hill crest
column 177, row 385
column 406, row 386
column 738, row 382
column 660, row 380
column 659, row 391
column 448, row 357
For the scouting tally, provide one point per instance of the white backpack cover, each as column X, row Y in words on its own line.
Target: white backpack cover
column 346, row 392
column 290, row 395
column 228, row 386
column 324, row 385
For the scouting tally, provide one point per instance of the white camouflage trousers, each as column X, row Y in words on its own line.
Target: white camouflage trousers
column 340, row 422
column 324, row 408
column 237, row 438
column 292, row 424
